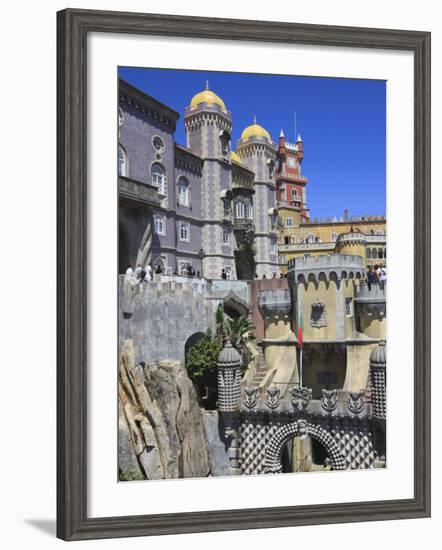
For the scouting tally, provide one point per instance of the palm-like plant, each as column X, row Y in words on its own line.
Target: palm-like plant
column 238, row 331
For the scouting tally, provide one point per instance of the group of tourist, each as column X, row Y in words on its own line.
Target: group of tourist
column 145, row 274
column 141, row 273
column 376, row 276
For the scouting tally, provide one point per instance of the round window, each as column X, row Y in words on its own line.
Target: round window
column 158, row 143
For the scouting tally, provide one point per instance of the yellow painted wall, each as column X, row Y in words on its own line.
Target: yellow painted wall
column 308, row 294
column 358, row 357
column 374, row 326
column 324, row 230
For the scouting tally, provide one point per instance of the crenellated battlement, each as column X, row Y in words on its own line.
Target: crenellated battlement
column 275, row 302
column 330, row 267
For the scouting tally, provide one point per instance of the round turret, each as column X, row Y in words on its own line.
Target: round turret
column 378, row 356
column 229, row 357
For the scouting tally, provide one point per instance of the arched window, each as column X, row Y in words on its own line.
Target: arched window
column 374, row 253
column 334, row 237
column 183, row 191
column 184, row 232
column 310, row 238
column 159, row 224
column 368, row 253
column 122, row 161
column 239, row 210
column 158, row 177
column 271, row 168
column 379, row 232
column 294, row 195
column 224, row 138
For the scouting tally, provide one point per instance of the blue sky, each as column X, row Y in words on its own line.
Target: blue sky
column 342, row 123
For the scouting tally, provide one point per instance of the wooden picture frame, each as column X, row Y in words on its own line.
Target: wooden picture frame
column 73, row 27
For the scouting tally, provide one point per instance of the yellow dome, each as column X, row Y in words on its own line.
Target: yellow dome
column 255, row 130
column 235, row 157
column 209, row 97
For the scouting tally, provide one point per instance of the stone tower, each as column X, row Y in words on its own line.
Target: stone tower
column 208, row 126
column 257, row 151
column 291, row 185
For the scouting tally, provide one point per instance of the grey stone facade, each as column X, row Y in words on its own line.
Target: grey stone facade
column 202, row 226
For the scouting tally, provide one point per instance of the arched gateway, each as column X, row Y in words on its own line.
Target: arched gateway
column 259, row 422
column 275, row 447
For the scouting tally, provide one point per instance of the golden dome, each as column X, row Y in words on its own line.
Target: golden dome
column 209, row 97
column 235, row 157
column 255, row 130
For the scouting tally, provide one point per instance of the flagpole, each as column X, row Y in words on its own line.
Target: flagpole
column 300, row 368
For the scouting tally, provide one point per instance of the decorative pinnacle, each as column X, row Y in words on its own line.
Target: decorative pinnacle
column 207, row 84
column 282, row 133
column 254, row 119
column 299, row 138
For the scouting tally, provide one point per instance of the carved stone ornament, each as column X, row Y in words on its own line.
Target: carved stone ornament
column 250, row 397
column 273, row 398
column 329, row 400
column 355, row 402
column 302, row 429
column 301, row 398
column 318, row 316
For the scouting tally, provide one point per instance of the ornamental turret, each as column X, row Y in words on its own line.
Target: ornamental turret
column 257, row 151
column 229, row 378
column 378, row 378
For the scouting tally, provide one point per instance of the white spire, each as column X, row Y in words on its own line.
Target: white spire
column 282, row 133
column 207, row 84
column 299, row 138
column 254, row 119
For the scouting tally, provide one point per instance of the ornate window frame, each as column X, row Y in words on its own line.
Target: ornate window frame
column 186, row 227
column 162, row 219
column 162, row 187
column 181, row 182
column 160, row 150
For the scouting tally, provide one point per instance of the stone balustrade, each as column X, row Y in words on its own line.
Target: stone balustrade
column 275, row 301
column 138, row 191
column 374, row 292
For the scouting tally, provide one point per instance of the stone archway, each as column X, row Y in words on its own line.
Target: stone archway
column 276, row 445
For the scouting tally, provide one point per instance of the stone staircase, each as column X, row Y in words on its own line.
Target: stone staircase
column 260, row 370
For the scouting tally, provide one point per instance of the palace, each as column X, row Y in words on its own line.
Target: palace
column 201, row 206
column 210, row 208
column 207, row 211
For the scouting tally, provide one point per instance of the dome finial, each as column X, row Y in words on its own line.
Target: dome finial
column 254, row 119
column 207, row 84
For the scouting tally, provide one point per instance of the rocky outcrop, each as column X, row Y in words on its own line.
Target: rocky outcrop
column 161, row 428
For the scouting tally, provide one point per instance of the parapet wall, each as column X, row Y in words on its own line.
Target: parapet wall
column 337, row 266
column 160, row 317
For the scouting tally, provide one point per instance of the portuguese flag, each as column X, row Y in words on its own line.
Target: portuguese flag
column 300, row 329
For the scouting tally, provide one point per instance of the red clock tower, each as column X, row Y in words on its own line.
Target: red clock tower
column 290, row 184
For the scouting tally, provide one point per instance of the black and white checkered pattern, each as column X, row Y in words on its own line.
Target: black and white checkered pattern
column 276, row 444
column 229, row 388
column 379, row 390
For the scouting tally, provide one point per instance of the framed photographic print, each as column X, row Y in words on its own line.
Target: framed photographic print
column 243, row 274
